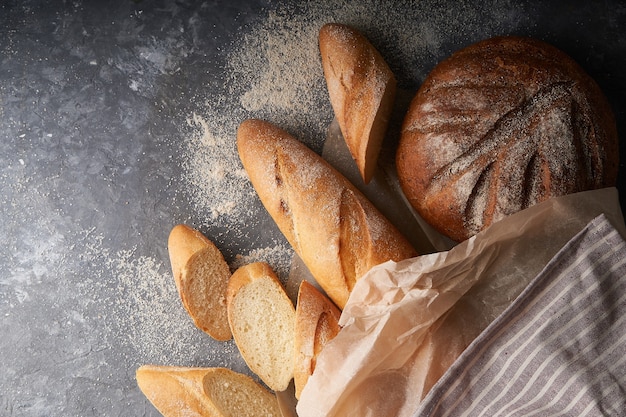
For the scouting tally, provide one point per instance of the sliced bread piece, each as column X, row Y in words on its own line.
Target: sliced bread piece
column 206, row 392
column 261, row 318
column 317, row 323
column 362, row 90
column 201, row 275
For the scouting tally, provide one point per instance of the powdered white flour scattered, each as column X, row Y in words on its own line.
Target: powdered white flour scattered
column 273, row 71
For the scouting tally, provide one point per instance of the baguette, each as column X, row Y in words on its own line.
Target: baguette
column 201, row 275
column 361, row 89
column 336, row 231
column 204, row 392
column 261, row 318
column 317, row 323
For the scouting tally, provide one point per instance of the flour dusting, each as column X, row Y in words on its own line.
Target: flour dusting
column 273, row 72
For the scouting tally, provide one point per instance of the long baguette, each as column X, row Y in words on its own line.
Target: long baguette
column 361, row 89
column 331, row 225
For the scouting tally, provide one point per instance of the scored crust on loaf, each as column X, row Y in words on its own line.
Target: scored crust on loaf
column 317, row 323
column 204, row 392
column 361, row 89
column 201, row 275
column 336, row 231
column 261, row 317
column 499, row 126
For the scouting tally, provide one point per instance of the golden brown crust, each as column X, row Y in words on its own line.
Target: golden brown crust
column 201, row 275
column 499, row 126
column 317, row 323
column 204, row 392
column 336, row 231
column 361, row 88
column 182, row 243
column 174, row 391
column 244, row 276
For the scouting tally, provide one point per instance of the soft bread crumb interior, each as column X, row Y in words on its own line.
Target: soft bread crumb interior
column 262, row 319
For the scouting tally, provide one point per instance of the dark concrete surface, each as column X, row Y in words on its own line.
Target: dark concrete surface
column 95, row 99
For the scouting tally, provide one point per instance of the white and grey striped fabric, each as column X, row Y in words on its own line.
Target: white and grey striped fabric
column 558, row 350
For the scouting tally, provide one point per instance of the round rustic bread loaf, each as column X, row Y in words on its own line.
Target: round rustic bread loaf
column 499, row 126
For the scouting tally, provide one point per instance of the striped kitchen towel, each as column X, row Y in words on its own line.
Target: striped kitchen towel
column 558, row 350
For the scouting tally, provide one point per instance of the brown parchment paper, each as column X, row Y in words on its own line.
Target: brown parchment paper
column 405, row 323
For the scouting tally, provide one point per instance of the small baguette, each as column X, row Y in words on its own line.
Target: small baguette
column 261, row 318
column 336, row 231
column 317, row 323
column 362, row 90
column 201, row 275
column 204, row 392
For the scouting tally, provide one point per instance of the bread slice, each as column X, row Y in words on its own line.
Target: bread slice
column 317, row 323
column 201, row 275
column 261, row 318
column 361, row 89
column 204, row 392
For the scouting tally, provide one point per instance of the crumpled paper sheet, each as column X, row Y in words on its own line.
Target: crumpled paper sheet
column 405, row 323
